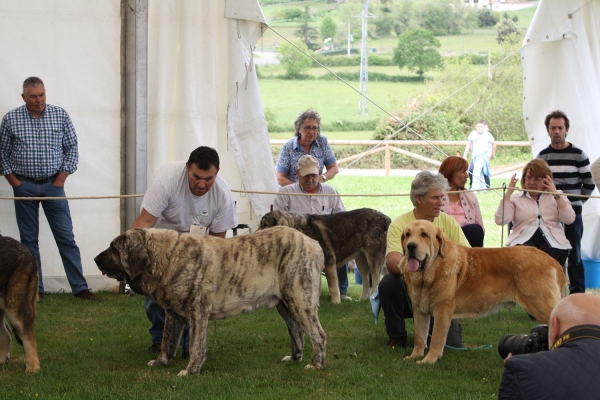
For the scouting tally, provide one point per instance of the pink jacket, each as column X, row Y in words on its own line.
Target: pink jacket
column 469, row 202
column 522, row 211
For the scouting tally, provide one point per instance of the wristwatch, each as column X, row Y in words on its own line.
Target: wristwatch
column 556, row 196
column 324, row 178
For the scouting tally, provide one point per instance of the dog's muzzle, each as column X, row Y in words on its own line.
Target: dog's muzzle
column 414, row 264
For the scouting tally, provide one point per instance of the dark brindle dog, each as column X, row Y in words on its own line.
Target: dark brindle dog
column 18, row 300
column 359, row 234
column 197, row 278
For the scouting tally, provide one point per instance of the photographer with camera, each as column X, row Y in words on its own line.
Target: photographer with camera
column 570, row 370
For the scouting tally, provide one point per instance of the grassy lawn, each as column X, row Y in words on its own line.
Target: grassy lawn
column 332, row 99
column 353, row 135
column 94, row 350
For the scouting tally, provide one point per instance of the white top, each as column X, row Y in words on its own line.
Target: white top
column 169, row 198
column 481, row 144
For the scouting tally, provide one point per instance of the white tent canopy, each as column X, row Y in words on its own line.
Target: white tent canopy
column 561, row 70
column 202, row 90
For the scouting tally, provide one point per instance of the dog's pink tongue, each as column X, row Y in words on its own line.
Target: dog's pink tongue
column 413, row 264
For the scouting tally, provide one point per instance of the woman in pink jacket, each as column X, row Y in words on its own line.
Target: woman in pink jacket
column 538, row 218
column 463, row 207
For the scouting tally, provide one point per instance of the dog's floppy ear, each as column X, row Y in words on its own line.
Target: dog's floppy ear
column 133, row 251
column 402, row 237
column 441, row 241
column 268, row 221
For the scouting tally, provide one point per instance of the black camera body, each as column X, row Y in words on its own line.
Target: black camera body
column 537, row 340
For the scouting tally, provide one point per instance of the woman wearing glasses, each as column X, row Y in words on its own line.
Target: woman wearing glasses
column 307, row 140
column 538, row 218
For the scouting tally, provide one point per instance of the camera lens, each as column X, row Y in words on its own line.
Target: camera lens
column 516, row 344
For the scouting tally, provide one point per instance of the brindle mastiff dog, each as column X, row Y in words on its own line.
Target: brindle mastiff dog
column 447, row 280
column 18, row 300
column 199, row 278
column 359, row 235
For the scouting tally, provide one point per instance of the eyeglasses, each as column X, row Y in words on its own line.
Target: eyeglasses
column 531, row 178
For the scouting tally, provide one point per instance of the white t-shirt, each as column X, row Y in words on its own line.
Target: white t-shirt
column 481, row 144
column 169, row 198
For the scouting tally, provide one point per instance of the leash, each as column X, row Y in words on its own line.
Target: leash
column 409, row 302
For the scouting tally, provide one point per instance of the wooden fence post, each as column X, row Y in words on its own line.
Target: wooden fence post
column 388, row 161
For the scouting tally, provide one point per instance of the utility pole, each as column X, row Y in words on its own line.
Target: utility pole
column 348, row 38
column 363, row 104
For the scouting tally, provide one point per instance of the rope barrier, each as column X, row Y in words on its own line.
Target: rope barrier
column 125, row 196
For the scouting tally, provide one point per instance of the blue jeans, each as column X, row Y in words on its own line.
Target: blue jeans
column 156, row 315
column 59, row 218
column 342, row 274
column 575, row 269
column 486, row 178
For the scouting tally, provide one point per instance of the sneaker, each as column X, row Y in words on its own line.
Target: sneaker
column 154, row 348
column 345, row 297
column 400, row 342
column 85, row 294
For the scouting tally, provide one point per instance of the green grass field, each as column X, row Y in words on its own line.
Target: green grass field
column 332, row 99
column 92, row 350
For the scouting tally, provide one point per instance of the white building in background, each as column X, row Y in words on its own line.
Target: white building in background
column 479, row 3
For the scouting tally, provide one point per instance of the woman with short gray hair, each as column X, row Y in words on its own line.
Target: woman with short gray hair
column 307, row 140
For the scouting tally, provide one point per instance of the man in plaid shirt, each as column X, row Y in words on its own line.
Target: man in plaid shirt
column 38, row 151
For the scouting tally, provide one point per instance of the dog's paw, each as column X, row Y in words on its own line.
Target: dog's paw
column 151, row 363
column 413, row 356
column 34, row 369
column 428, row 360
column 290, row 358
column 4, row 360
column 310, row 366
column 183, row 372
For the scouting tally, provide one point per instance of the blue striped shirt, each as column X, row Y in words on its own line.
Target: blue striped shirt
column 38, row 147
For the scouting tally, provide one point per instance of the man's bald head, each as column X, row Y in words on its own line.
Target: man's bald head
column 575, row 309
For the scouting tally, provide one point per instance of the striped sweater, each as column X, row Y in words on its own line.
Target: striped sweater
column 571, row 171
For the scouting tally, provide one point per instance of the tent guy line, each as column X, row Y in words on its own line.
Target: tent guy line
column 404, row 125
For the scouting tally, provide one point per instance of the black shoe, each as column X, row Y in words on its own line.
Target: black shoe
column 398, row 342
column 85, row 294
column 185, row 355
column 154, row 348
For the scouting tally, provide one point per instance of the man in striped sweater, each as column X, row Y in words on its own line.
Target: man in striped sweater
column 571, row 171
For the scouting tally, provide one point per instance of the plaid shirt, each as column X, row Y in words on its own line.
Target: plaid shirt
column 292, row 151
column 37, row 147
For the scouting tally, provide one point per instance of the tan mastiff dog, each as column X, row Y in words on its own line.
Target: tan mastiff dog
column 446, row 280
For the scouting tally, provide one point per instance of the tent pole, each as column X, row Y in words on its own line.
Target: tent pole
column 135, row 167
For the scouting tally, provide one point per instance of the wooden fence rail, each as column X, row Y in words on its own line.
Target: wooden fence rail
column 393, row 146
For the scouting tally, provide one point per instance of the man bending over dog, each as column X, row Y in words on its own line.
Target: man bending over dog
column 426, row 195
column 186, row 197
column 308, row 174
